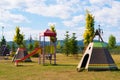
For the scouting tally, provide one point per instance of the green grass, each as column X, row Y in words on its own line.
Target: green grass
column 64, row 70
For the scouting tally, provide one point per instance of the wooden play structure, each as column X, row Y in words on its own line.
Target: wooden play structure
column 35, row 51
column 42, row 50
column 48, row 33
column 20, row 53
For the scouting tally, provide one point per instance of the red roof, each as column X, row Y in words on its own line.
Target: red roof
column 48, row 33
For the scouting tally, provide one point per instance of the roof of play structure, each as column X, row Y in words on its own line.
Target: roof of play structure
column 48, row 33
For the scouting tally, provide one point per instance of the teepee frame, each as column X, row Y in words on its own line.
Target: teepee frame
column 96, row 57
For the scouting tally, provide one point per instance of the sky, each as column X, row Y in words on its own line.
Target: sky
column 35, row 16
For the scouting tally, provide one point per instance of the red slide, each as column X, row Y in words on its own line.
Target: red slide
column 32, row 53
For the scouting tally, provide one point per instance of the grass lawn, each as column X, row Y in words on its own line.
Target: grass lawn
column 64, row 70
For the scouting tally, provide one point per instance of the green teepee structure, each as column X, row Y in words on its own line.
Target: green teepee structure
column 97, row 56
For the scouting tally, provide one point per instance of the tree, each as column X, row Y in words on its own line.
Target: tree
column 66, row 44
column 3, row 41
column 18, row 37
column 73, row 45
column 59, row 47
column 36, row 45
column 13, row 47
column 89, row 32
column 30, row 45
column 112, row 41
column 53, row 39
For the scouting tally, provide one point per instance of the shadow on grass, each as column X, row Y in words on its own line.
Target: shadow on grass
column 114, row 70
column 60, row 65
column 53, row 65
column 97, row 70
column 24, row 65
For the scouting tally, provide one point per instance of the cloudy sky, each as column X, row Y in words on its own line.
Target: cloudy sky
column 35, row 16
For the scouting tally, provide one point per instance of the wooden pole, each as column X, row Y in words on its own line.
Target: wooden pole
column 44, row 50
column 39, row 58
column 55, row 53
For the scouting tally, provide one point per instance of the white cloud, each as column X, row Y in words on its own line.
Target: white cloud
column 107, row 34
column 5, row 12
column 101, row 3
column 51, row 24
column 27, row 31
column 9, row 35
column 5, row 25
column 108, row 15
column 16, row 18
column 75, row 21
column 59, row 9
column 78, row 33
column 69, row 12
column 11, row 4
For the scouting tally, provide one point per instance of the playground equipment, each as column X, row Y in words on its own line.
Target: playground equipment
column 37, row 50
column 42, row 50
column 97, row 57
column 21, row 52
column 4, row 52
column 48, row 33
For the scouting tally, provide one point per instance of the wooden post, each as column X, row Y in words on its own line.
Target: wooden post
column 50, row 58
column 16, row 63
column 55, row 53
column 44, row 51
column 39, row 58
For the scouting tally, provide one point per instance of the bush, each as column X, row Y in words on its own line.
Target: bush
column 12, row 53
column 36, row 55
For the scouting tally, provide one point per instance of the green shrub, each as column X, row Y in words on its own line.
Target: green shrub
column 12, row 53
